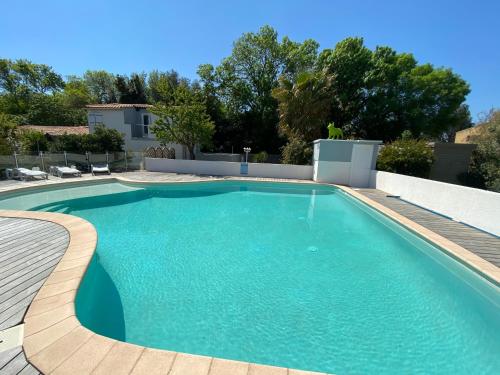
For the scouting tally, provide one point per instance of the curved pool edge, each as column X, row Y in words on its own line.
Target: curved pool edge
column 55, row 342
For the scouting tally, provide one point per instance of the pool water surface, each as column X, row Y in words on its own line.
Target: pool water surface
column 292, row 275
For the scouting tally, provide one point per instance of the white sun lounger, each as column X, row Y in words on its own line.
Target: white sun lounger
column 100, row 169
column 61, row 171
column 26, row 174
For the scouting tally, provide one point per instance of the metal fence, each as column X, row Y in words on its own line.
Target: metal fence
column 117, row 161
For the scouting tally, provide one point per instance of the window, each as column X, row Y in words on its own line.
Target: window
column 95, row 119
column 145, row 122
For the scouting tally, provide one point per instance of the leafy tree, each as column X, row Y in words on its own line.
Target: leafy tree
column 378, row 94
column 185, row 121
column 131, row 90
column 21, row 79
column 52, row 110
column 303, row 105
column 406, row 156
column 76, row 93
column 226, row 133
column 101, row 85
column 247, row 77
column 8, row 134
column 161, row 85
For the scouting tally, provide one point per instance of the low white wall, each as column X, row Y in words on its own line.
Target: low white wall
column 475, row 207
column 222, row 168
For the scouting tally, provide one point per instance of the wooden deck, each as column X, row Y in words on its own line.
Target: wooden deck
column 29, row 251
column 480, row 243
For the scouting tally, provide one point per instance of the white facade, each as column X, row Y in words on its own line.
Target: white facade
column 133, row 122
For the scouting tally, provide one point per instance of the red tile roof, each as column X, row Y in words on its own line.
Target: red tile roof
column 57, row 130
column 117, row 106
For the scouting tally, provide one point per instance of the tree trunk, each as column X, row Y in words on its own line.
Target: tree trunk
column 191, row 153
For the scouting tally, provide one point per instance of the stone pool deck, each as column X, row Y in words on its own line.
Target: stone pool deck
column 55, row 342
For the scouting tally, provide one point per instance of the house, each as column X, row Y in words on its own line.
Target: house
column 132, row 120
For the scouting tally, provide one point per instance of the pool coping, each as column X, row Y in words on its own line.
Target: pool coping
column 56, row 342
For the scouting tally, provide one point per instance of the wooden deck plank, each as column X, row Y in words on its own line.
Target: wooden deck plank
column 29, row 251
column 483, row 244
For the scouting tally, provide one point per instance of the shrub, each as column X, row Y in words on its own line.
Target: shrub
column 296, row 151
column 8, row 134
column 486, row 158
column 406, row 156
column 260, row 157
column 33, row 141
column 103, row 139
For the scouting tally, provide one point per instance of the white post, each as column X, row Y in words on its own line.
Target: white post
column 65, row 158
column 41, row 160
column 15, row 159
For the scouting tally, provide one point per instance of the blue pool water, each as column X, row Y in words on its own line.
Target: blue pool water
column 290, row 275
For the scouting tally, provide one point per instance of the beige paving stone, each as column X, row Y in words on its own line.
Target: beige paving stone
column 39, row 306
column 301, row 372
column 68, row 264
column 87, row 357
column 52, row 290
column 189, row 364
column 44, row 320
column 60, row 276
column 120, row 360
column 38, row 341
column 227, row 367
column 255, row 369
column 53, row 355
column 154, row 362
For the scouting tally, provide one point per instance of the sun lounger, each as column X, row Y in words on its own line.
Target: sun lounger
column 104, row 168
column 25, row 174
column 61, row 171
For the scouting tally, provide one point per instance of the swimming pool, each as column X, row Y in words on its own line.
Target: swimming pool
column 300, row 276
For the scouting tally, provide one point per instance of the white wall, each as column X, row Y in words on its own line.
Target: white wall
column 475, row 207
column 344, row 162
column 221, row 168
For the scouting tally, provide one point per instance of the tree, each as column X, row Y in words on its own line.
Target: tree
column 8, row 134
column 378, row 94
column 303, row 105
column 20, row 80
column 246, row 78
column 101, row 85
column 131, row 90
column 185, row 121
column 161, row 85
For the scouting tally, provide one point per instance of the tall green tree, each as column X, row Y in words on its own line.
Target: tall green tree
column 184, row 121
column 20, row 80
column 131, row 90
column 101, row 85
column 162, row 85
column 379, row 94
column 246, row 78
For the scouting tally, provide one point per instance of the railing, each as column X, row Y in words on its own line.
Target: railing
column 117, row 161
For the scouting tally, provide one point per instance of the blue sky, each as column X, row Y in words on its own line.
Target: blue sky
column 127, row 36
